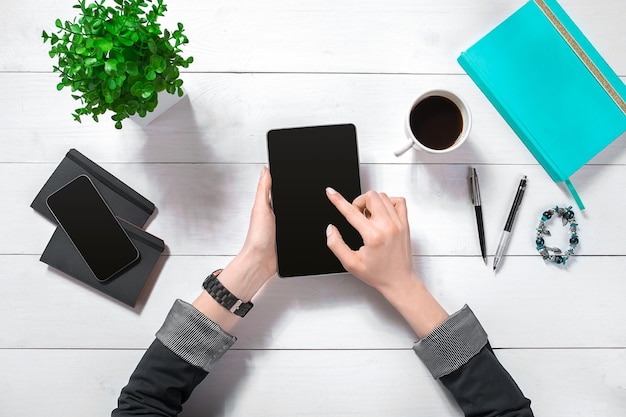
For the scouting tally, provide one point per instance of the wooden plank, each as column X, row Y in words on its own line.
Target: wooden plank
column 400, row 36
column 197, row 202
column 526, row 305
column 311, row 383
column 225, row 119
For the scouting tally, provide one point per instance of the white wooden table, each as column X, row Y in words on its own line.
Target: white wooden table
column 312, row 346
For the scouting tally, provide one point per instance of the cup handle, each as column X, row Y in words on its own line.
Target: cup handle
column 408, row 145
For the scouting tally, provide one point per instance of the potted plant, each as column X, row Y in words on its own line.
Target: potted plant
column 117, row 58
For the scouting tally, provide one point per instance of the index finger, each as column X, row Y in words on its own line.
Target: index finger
column 355, row 217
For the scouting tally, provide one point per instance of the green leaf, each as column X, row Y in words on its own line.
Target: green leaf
column 132, row 106
column 60, row 86
column 150, row 73
column 117, row 55
column 152, row 46
column 158, row 63
column 118, row 125
column 132, row 69
column 159, row 84
column 133, row 36
column 54, row 39
column 171, row 73
column 135, row 90
column 120, row 80
column 104, row 44
column 110, row 65
column 153, row 29
column 125, row 41
column 58, row 23
column 151, row 105
column 147, row 90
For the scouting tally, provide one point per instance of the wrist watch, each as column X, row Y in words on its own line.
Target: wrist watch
column 224, row 297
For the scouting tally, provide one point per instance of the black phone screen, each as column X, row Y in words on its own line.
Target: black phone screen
column 303, row 162
column 92, row 227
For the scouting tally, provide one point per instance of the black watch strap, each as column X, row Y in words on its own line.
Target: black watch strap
column 224, row 297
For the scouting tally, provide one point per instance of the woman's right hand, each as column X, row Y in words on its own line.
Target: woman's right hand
column 385, row 259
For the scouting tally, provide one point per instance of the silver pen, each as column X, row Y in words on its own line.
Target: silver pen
column 506, row 233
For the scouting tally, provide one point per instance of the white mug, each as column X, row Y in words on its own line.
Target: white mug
column 463, row 132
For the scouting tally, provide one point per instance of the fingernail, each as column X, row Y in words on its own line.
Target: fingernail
column 329, row 229
column 330, row 190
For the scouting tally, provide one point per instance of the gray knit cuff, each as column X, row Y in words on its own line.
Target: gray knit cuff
column 193, row 336
column 452, row 344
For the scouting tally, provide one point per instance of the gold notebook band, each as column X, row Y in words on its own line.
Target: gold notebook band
column 610, row 90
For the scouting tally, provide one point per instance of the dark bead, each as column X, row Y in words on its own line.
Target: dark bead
column 547, row 214
column 539, row 241
column 558, row 259
column 573, row 241
column 570, row 214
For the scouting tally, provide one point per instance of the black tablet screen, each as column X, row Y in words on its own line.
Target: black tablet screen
column 303, row 162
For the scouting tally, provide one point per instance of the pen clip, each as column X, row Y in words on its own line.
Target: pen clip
column 474, row 188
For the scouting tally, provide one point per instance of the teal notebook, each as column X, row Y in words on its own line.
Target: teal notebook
column 551, row 85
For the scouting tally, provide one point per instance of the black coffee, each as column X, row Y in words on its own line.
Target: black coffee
column 436, row 122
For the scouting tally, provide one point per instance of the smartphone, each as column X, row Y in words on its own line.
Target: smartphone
column 92, row 227
column 303, row 162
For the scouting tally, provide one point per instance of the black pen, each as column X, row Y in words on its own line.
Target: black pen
column 504, row 239
column 475, row 194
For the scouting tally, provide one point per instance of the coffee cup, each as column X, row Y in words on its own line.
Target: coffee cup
column 437, row 122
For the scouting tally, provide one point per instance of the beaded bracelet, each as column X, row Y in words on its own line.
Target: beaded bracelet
column 556, row 255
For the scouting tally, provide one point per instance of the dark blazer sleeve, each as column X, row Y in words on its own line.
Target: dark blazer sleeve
column 482, row 387
column 160, row 384
column 458, row 354
column 186, row 349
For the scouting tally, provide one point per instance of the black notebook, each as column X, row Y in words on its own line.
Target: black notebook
column 127, row 285
column 125, row 202
column 128, row 205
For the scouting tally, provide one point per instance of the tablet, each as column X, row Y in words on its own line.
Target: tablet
column 303, row 162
